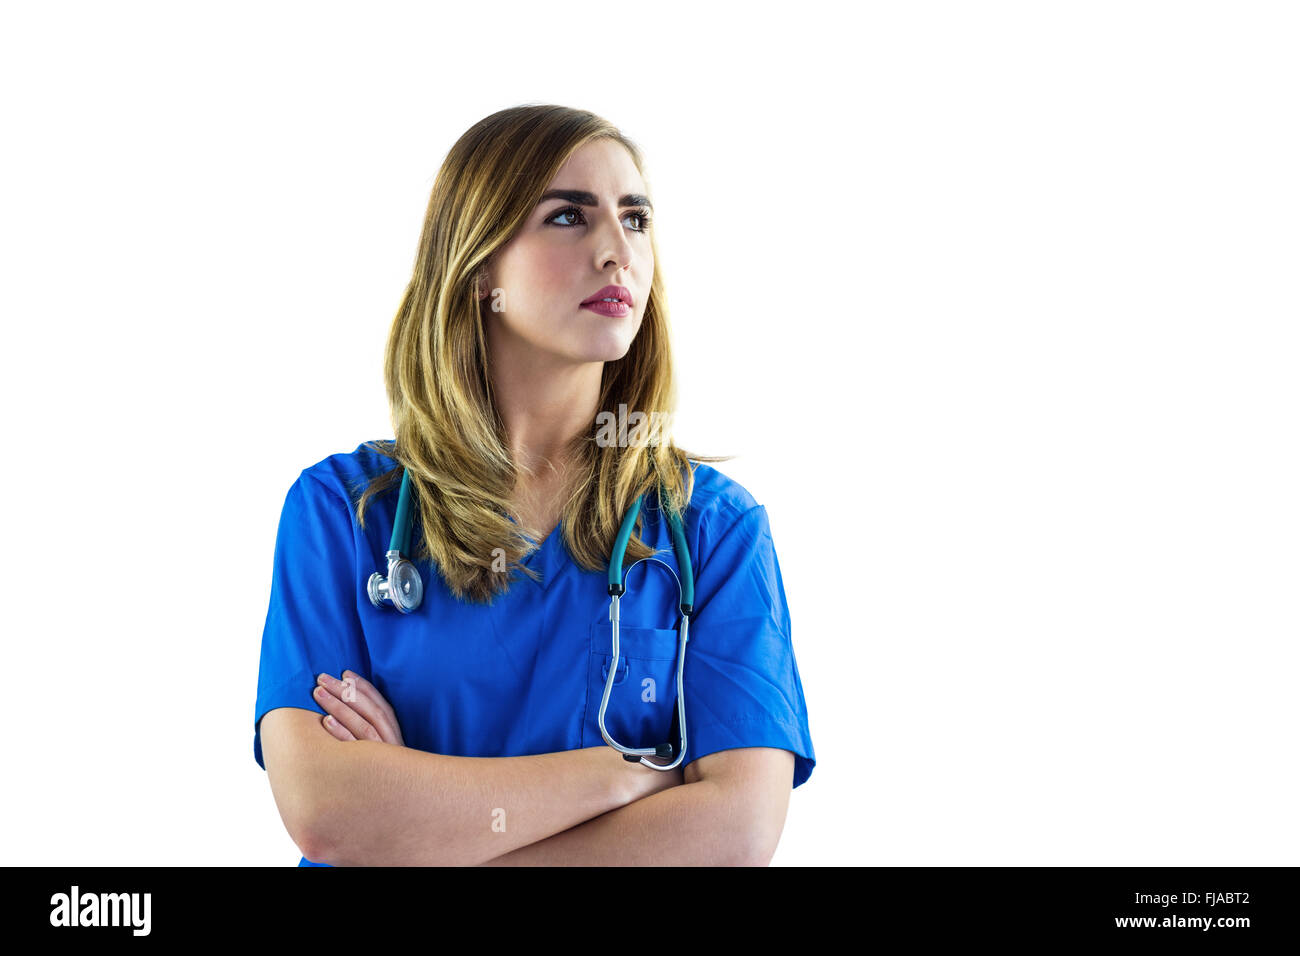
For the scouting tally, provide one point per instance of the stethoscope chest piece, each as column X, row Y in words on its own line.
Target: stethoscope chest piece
column 403, row 585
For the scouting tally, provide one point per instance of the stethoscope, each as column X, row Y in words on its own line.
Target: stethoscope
column 409, row 592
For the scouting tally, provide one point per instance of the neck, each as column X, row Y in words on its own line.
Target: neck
column 544, row 406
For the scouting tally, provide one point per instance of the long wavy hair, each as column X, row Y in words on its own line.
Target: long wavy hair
column 450, row 436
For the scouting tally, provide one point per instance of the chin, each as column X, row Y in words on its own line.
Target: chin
column 606, row 345
column 593, row 354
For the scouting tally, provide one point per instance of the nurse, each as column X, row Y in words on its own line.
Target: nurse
column 465, row 732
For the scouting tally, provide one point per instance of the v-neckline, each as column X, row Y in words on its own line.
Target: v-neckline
column 539, row 558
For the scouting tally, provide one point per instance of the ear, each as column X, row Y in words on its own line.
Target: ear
column 483, row 278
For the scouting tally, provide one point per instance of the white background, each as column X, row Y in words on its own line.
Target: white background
column 995, row 302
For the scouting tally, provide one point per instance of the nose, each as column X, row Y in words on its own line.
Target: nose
column 612, row 244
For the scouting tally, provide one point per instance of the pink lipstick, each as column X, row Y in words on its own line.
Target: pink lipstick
column 614, row 301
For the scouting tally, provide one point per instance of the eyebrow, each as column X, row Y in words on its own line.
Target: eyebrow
column 584, row 198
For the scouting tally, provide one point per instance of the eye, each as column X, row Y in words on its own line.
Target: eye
column 642, row 215
column 568, row 210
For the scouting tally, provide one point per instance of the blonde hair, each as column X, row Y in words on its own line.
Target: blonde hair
column 449, row 435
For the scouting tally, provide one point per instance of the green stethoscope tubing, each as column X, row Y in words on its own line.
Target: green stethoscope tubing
column 409, row 592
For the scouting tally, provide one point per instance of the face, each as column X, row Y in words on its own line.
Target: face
column 569, row 248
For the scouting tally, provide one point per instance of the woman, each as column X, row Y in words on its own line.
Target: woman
column 530, row 414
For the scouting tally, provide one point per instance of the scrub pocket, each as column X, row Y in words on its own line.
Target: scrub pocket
column 642, row 701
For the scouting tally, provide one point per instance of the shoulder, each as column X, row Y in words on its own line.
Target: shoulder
column 347, row 474
column 719, row 505
column 718, row 495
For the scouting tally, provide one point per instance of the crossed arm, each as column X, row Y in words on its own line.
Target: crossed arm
column 728, row 809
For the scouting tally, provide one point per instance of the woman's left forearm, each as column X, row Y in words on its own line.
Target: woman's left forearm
column 694, row 824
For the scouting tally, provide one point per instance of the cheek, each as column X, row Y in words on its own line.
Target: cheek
column 548, row 276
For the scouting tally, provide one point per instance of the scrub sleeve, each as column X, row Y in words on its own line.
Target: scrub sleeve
column 312, row 625
column 741, row 680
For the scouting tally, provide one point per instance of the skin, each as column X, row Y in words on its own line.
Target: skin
column 367, row 716
column 546, row 355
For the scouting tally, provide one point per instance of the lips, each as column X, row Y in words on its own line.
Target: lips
column 610, row 292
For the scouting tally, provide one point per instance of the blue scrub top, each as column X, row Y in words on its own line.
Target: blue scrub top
column 525, row 675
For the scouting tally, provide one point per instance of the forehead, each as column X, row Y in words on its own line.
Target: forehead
column 602, row 165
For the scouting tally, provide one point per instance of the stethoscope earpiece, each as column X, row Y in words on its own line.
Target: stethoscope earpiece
column 686, row 598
